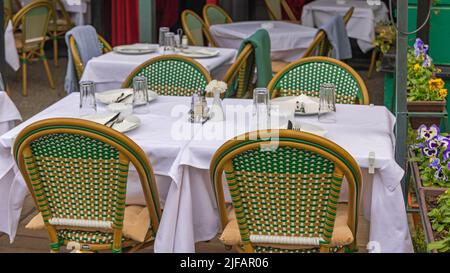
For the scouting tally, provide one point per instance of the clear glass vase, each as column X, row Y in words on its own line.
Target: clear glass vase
column 216, row 111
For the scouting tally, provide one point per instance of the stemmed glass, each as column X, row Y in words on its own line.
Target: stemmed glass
column 88, row 105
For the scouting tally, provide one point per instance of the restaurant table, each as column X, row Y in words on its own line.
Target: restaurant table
column 289, row 41
column 110, row 70
column 180, row 153
column 361, row 25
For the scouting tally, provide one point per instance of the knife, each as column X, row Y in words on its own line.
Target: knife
column 113, row 119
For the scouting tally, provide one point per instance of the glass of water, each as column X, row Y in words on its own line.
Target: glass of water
column 169, row 47
column 140, row 96
column 327, row 103
column 88, row 105
column 162, row 35
column 261, row 108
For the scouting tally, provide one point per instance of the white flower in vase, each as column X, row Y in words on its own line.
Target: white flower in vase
column 216, row 88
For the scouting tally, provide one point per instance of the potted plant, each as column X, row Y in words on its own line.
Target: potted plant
column 426, row 92
column 436, row 211
column 431, row 158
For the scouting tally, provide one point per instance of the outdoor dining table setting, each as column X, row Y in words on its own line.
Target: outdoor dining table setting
column 288, row 41
column 180, row 152
column 362, row 23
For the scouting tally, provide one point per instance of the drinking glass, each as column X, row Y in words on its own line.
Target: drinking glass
column 169, row 43
column 261, row 108
column 327, row 103
column 162, row 35
column 88, row 105
column 140, row 96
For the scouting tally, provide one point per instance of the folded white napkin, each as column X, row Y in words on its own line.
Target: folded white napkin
column 310, row 104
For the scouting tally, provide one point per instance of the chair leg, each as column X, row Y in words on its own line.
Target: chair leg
column 55, row 50
column 47, row 70
column 372, row 63
column 24, row 75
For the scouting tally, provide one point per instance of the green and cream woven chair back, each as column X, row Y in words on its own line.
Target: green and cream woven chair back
column 172, row 75
column 285, row 187
column 77, row 173
column 196, row 30
column 214, row 15
column 306, row 75
column 32, row 20
column 241, row 74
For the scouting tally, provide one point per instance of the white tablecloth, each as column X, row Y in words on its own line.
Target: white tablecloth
column 362, row 24
column 110, row 70
column 181, row 152
column 288, row 41
column 9, row 115
column 11, row 54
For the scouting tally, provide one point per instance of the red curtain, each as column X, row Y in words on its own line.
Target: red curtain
column 125, row 21
column 167, row 13
column 296, row 7
column 211, row 2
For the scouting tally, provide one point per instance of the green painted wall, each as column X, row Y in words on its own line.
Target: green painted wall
column 147, row 15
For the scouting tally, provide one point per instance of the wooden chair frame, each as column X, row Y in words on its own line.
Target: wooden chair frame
column 220, row 9
column 56, row 33
column 205, row 29
column 34, row 52
column 283, row 6
column 238, row 69
column 345, row 166
column 129, row 152
column 349, row 69
column 76, row 54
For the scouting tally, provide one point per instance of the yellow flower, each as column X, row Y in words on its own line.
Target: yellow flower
column 436, row 84
column 416, row 67
column 443, row 93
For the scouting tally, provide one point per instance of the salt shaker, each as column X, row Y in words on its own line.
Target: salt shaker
column 184, row 42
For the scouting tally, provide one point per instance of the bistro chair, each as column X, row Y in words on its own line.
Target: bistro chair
column 275, row 9
column 196, row 29
column 58, row 26
column 327, row 47
column 77, row 173
column 79, row 66
column 306, row 75
column 31, row 27
column 171, row 75
column 214, row 15
column 241, row 74
column 285, row 188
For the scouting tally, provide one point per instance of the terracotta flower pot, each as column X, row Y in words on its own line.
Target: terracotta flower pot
column 426, row 106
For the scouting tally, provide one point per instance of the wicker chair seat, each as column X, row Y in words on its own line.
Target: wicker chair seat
column 86, row 237
column 19, row 43
column 342, row 235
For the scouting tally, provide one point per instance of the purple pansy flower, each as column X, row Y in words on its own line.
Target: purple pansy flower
column 445, row 142
column 428, row 133
column 440, row 175
column 418, row 47
column 446, row 155
column 434, row 143
column 427, row 61
column 435, row 164
column 429, row 152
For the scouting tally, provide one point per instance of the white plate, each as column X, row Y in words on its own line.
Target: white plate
column 293, row 99
column 135, row 49
column 109, row 97
column 199, row 53
column 128, row 124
